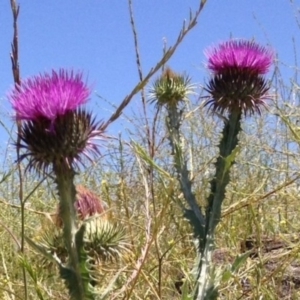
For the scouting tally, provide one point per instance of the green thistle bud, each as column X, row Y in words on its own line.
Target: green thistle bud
column 170, row 89
column 103, row 239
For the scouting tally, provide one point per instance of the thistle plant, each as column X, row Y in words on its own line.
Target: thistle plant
column 172, row 91
column 237, row 87
column 56, row 135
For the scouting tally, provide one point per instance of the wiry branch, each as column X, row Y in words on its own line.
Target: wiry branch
column 167, row 55
column 249, row 200
column 139, row 67
column 14, row 56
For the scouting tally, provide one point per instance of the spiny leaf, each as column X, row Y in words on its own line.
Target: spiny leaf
column 239, row 260
column 44, row 251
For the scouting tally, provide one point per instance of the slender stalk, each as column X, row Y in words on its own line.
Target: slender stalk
column 149, row 236
column 14, row 56
column 149, row 133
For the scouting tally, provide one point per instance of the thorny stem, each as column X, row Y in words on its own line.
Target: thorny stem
column 67, row 193
column 14, row 56
column 219, row 182
column 174, row 120
column 206, row 288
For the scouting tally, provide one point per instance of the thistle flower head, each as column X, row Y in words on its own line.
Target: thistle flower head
column 49, row 95
column 170, row 89
column 56, row 131
column 237, row 83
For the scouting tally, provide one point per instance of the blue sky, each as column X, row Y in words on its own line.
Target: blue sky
column 95, row 37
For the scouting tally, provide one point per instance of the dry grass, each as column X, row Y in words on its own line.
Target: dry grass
column 260, row 214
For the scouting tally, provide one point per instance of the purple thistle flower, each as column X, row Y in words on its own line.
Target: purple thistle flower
column 56, row 132
column 237, row 83
column 239, row 54
column 49, row 95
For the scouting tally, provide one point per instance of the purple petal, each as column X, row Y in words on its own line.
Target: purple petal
column 239, row 54
column 49, row 95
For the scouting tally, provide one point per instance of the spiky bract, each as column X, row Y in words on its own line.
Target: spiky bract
column 233, row 90
column 65, row 142
column 237, row 83
column 49, row 95
column 104, row 240
column 170, row 89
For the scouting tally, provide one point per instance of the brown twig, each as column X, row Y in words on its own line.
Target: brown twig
column 11, row 234
column 15, row 44
column 14, row 56
column 38, row 212
column 139, row 67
